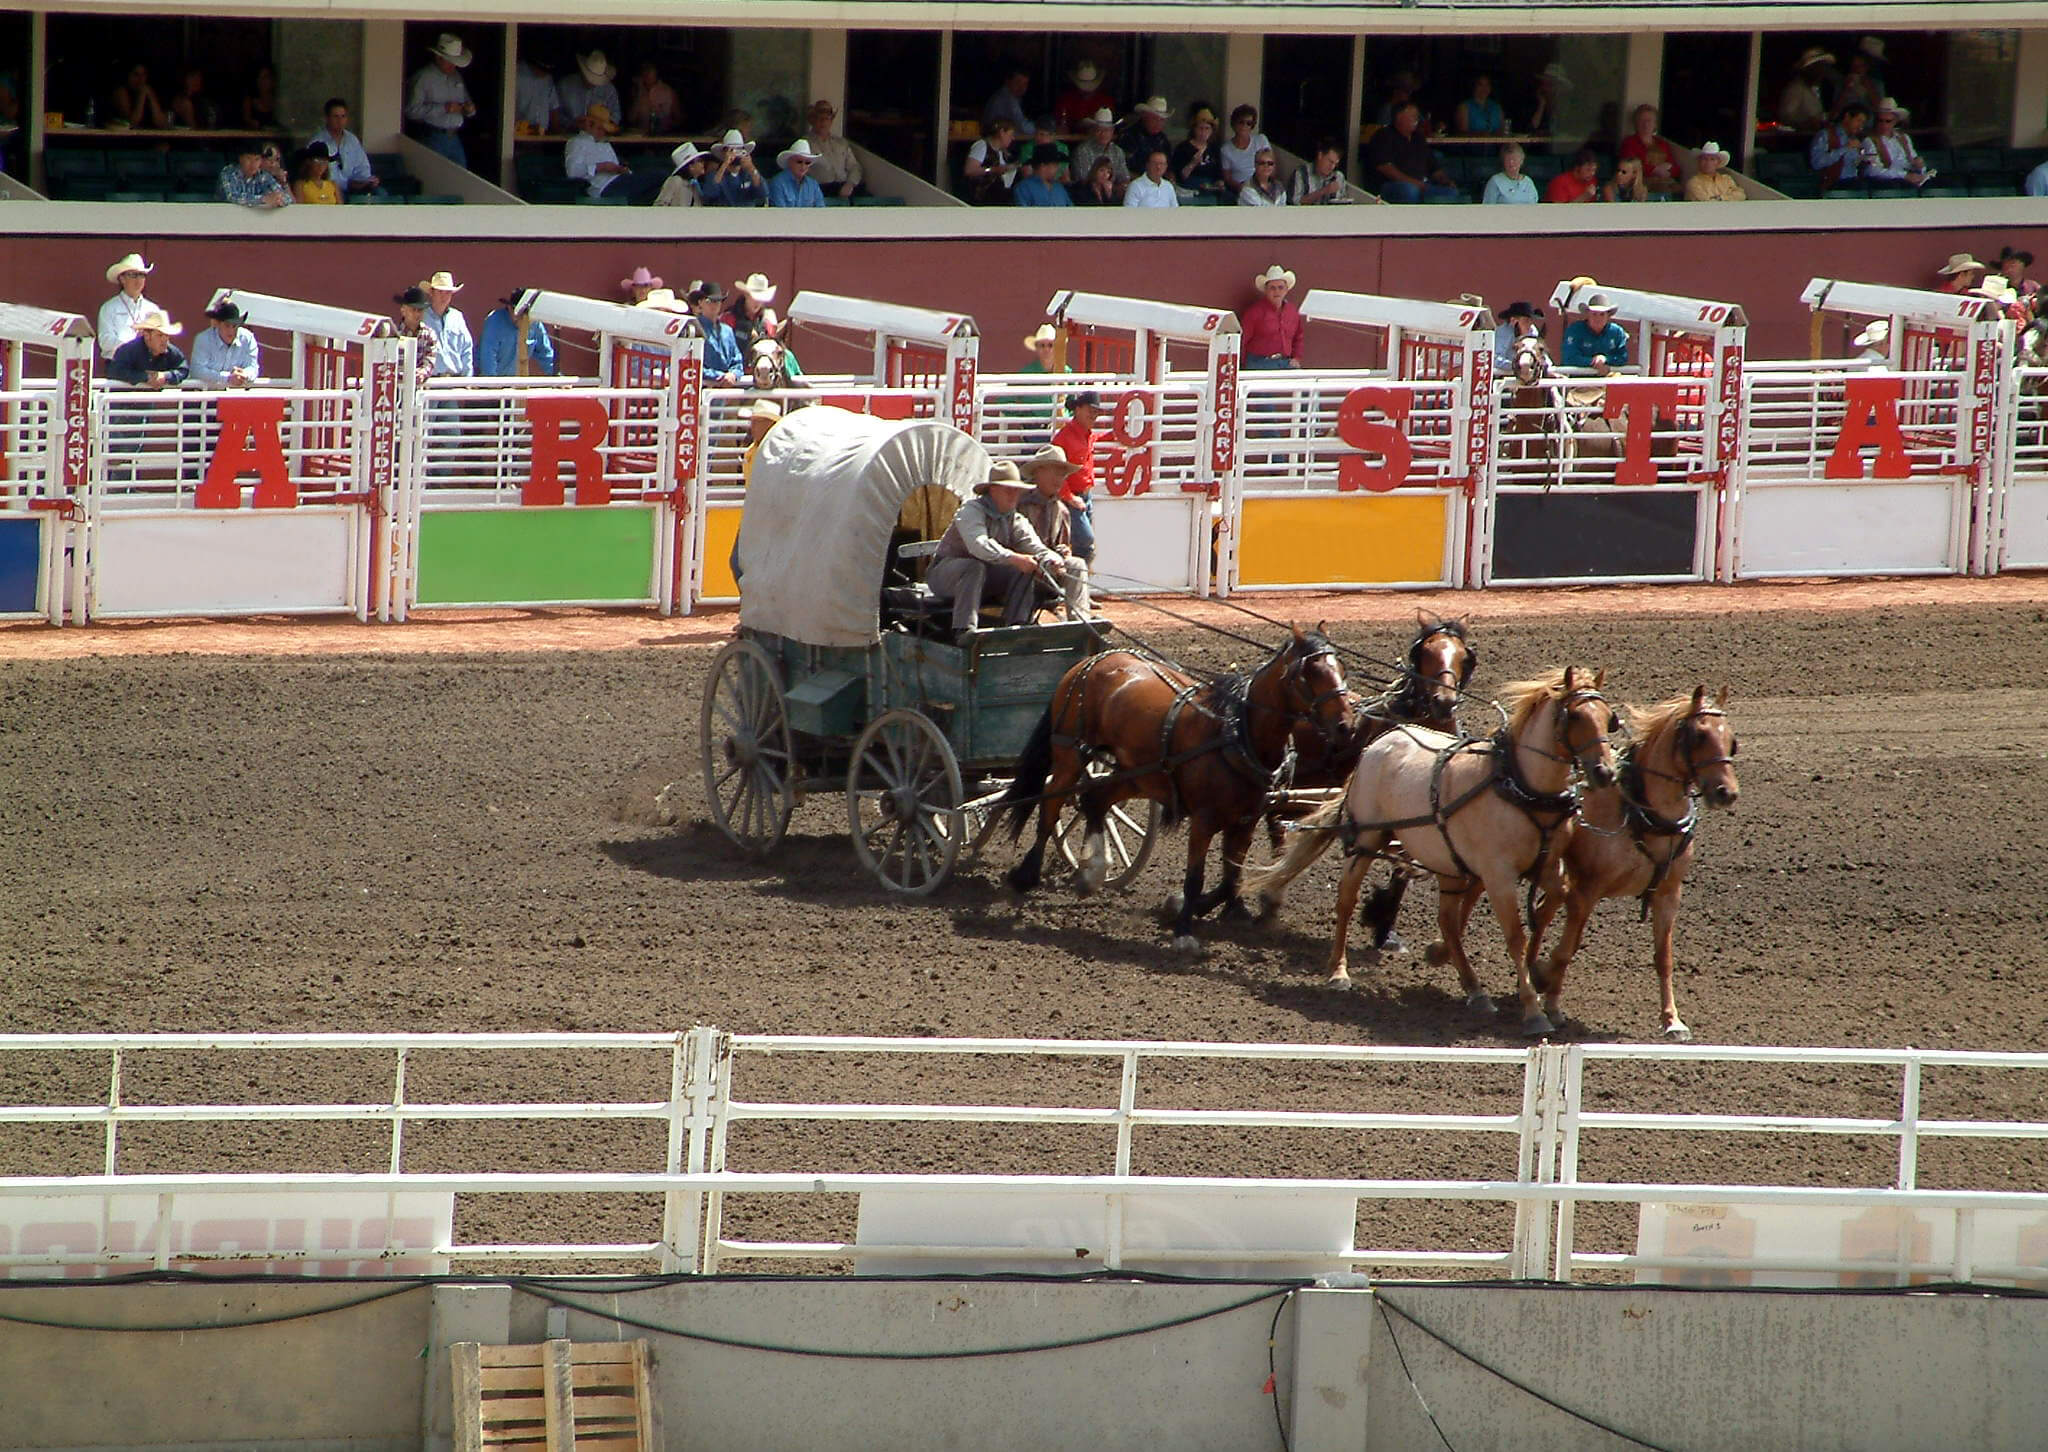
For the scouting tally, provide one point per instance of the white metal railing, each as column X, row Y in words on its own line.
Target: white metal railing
column 27, row 422
column 154, row 446
column 702, row 1068
column 478, row 443
column 1291, row 435
column 1794, row 414
column 1555, row 432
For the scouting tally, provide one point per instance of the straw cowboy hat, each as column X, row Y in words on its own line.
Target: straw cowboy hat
column 1155, row 106
column 596, row 69
column 756, row 286
column 1087, row 75
column 1995, row 287
column 1275, row 273
column 641, row 278
column 1874, row 336
column 683, row 155
column 766, row 409
column 662, row 299
column 732, row 141
column 1003, row 476
column 1046, row 334
column 442, row 281
column 1890, row 107
column 1961, row 262
column 1051, row 456
column 602, row 115
column 1104, row 117
column 156, row 320
column 131, row 263
column 449, row 48
column 1814, row 55
column 797, row 150
column 1714, row 148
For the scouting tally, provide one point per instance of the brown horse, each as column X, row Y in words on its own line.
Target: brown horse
column 1635, row 837
column 1478, row 814
column 1209, row 752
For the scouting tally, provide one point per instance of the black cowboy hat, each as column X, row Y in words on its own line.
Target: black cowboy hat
column 1522, row 310
column 227, row 312
column 709, row 290
column 412, row 297
column 1086, row 398
column 511, row 299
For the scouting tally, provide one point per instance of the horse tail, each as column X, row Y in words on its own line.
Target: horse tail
column 1034, row 767
column 1313, row 836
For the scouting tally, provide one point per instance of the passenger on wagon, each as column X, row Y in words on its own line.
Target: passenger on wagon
column 150, row 359
column 1595, row 340
column 120, row 313
column 1045, row 507
column 225, row 356
column 1272, row 325
column 991, row 553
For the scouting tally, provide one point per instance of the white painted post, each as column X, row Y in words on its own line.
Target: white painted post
column 1909, row 1122
column 1752, row 94
column 828, row 69
column 1574, row 1067
column 942, row 121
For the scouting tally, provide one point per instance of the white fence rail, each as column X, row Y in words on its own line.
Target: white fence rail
column 702, row 1075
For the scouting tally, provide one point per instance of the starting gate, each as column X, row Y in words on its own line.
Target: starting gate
column 1622, row 477
column 2018, row 535
column 923, row 364
column 1364, row 478
column 270, row 499
column 1170, row 441
column 1886, row 469
column 45, row 444
column 563, row 491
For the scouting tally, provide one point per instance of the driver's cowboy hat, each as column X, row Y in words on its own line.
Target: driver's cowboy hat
column 131, row 263
column 1050, row 456
column 1003, row 475
column 450, row 48
column 1275, row 273
column 595, row 68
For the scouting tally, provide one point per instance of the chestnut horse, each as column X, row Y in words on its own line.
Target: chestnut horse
column 1635, row 837
column 1509, row 799
column 1208, row 752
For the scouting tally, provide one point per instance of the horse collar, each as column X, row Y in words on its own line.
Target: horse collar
column 1508, row 782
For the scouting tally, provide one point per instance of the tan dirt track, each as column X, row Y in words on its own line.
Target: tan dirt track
column 263, row 826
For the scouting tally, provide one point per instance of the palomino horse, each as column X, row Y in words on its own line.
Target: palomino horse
column 1635, row 837
column 1478, row 814
column 1208, row 752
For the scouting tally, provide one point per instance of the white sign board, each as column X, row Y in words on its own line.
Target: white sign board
column 1713, row 1241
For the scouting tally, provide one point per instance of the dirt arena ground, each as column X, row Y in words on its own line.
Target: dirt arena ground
column 259, row 826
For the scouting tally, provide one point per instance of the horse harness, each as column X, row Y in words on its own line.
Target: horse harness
column 1644, row 823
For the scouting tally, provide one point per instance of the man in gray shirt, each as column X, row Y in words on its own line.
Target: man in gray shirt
column 989, row 532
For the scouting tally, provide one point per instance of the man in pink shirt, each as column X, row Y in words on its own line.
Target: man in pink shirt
column 1077, row 441
column 1272, row 325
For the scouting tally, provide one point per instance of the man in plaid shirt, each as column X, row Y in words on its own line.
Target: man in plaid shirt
column 248, row 184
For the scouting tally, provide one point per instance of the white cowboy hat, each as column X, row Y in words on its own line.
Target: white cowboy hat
column 442, row 281
column 1555, row 74
column 1003, row 475
column 131, row 263
column 1046, row 334
column 765, row 408
column 1104, row 117
column 732, row 141
column 1961, row 262
column 1597, row 302
column 1155, row 106
column 1876, row 334
column 1051, row 456
column 1890, row 107
column 797, row 150
column 1275, row 273
column 1814, row 55
column 662, row 299
column 1087, row 75
column 449, row 48
column 156, row 320
column 683, row 155
column 1997, row 288
column 596, row 69
column 756, row 286
column 1714, row 148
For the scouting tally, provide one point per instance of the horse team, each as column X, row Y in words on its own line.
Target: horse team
column 1576, row 798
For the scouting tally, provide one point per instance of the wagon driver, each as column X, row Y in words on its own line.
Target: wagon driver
column 991, row 553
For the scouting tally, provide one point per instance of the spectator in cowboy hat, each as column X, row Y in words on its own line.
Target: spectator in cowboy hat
column 654, row 108
column 412, row 323
column 248, row 183
column 2012, row 266
column 1551, row 87
column 436, row 100
column 119, row 313
column 1083, row 97
column 590, row 84
column 750, row 317
column 1873, row 344
column 681, row 189
column 1239, row 153
column 837, row 169
column 456, row 355
column 640, row 284
column 150, row 359
column 1076, row 439
column 1101, row 143
column 1801, row 107
column 503, row 353
column 1043, row 346
column 724, row 362
column 1272, row 325
column 225, row 356
column 1051, row 517
column 1960, row 273
column 1712, row 183
column 313, row 181
column 731, row 179
column 590, row 158
column 990, row 553
column 1594, row 340
column 793, row 185
column 1151, row 116
column 1045, row 137
column 1889, row 157
column 1518, row 320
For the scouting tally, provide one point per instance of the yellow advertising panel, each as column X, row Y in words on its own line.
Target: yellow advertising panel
column 1342, row 539
column 721, row 531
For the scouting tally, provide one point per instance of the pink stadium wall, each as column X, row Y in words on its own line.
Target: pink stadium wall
column 1004, row 285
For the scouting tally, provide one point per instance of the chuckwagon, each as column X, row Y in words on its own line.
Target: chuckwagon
column 843, row 677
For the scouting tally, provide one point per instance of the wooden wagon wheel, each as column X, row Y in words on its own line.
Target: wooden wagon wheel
column 749, row 771
column 1129, row 833
column 903, row 803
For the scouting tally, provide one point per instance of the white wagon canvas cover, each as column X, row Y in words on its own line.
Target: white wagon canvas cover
column 827, row 491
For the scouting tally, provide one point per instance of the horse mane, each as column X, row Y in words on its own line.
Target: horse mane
column 1525, row 698
column 1651, row 724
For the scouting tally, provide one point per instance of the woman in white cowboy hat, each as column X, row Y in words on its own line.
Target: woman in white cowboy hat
column 793, row 186
column 591, row 84
column 750, row 317
column 680, row 190
column 150, row 359
column 1272, row 325
column 436, row 100
column 118, row 314
column 731, row 178
column 1083, row 97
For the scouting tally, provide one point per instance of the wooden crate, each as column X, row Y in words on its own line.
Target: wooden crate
column 554, row 1397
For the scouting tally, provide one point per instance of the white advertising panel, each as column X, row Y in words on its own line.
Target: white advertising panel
column 2026, row 526
column 1150, row 537
column 1860, row 529
column 2009, row 1246
column 226, row 562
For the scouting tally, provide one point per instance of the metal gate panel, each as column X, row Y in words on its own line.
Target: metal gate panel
column 227, row 562
column 1852, row 529
column 1157, row 540
column 1570, row 536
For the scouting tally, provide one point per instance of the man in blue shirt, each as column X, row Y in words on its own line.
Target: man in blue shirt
column 1042, row 188
column 351, row 164
column 248, row 183
column 497, row 352
column 1595, row 340
column 792, row 186
column 1521, row 320
column 731, row 179
column 723, row 364
column 224, row 356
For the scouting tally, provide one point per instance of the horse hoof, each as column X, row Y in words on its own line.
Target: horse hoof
column 1235, row 911
column 1536, row 1025
column 1083, row 887
column 1174, row 903
column 1677, row 1032
column 1436, row 954
column 1395, row 944
column 1481, row 1002
column 1338, row 983
column 1188, row 943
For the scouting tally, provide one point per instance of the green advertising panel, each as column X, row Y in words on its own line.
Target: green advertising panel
column 536, row 556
